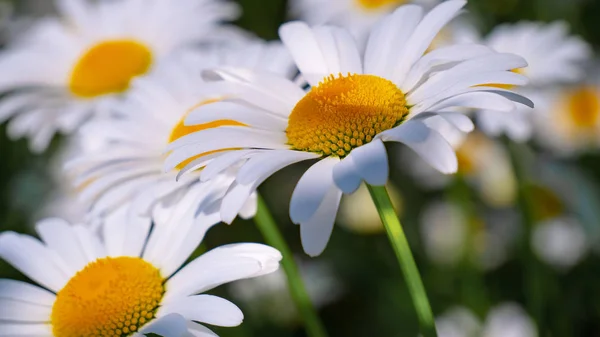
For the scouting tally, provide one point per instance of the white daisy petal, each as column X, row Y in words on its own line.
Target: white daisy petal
column 371, row 162
column 256, row 168
column 25, row 292
column 429, row 144
column 60, row 236
column 311, row 189
column 423, row 35
column 170, row 325
column 198, row 330
column 349, row 56
column 224, row 162
column 249, row 209
column 207, row 309
column 222, row 265
column 299, row 38
column 25, row 330
column 345, row 175
column 17, row 311
column 475, row 100
column 230, row 111
column 316, row 231
column 34, row 260
column 442, row 56
column 234, row 201
column 388, row 39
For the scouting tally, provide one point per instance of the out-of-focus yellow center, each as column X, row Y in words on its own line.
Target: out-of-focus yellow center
column 108, row 67
column 109, row 297
column 345, row 112
column 376, row 4
column 520, row 71
column 547, row 204
column 180, row 130
column 584, row 107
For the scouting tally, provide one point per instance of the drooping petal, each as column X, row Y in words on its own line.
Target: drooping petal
column 345, row 175
column 371, row 162
column 316, row 231
column 312, row 189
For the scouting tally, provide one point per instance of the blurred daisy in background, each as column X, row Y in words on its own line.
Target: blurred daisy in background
column 63, row 70
column 451, row 235
column 553, row 57
column 482, row 161
column 505, row 319
column 358, row 16
column 127, row 165
column 567, row 119
column 127, row 281
column 357, row 102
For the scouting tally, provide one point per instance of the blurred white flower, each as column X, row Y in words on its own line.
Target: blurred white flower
column 567, row 118
column 451, row 236
column 508, row 320
column 504, row 320
column 123, row 155
column 270, row 297
column 444, row 230
column 482, row 161
column 64, row 70
column 458, row 322
column 554, row 57
column 560, row 242
column 358, row 16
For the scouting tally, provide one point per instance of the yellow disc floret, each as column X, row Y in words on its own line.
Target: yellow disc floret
column 345, row 112
column 109, row 297
column 109, row 67
column 376, row 4
column 584, row 107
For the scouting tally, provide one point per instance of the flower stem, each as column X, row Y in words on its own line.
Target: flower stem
column 405, row 258
column 267, row 226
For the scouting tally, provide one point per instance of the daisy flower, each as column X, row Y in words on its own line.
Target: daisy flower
column 358, row 16
column 64, row 70
column 553, row 56
column 357, row 102
column 567, row 119
column 125, row 163
column 129, row 281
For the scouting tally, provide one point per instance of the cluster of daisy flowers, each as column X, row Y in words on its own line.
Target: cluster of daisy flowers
column 175, row 118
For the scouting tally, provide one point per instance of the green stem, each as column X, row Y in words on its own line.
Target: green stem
column 405, row 258
column 533, row 280
column 267, row 226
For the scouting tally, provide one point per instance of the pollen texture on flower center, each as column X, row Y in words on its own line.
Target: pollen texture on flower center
column 109, row 67
column 109, row 297
column 345, row 112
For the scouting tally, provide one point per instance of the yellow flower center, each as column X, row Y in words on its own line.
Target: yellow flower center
column 109, row 297
column 547, row 204
column 344, row 113
column 181, row 130
column 584, row 107
column 377, row 4
column 108, row 67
